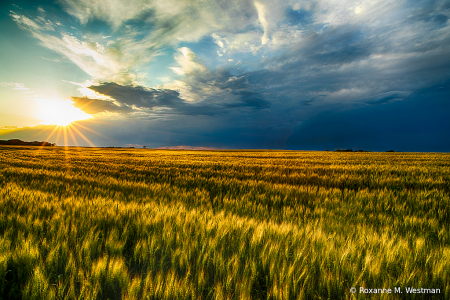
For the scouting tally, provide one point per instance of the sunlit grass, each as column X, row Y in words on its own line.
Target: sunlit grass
column 144, row 224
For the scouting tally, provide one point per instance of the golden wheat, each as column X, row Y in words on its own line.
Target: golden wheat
column 148, row 224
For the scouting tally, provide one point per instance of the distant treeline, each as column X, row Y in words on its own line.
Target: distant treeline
column 23, row 143
column 349, row 150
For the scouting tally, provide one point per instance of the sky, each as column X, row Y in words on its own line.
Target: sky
column 237, row 74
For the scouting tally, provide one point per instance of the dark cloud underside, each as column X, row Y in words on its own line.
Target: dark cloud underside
column 95, row 106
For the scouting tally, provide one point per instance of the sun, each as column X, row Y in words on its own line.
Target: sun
column 59, row 112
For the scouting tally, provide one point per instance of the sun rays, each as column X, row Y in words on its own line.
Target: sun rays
column 59, row 112
column 69, row 134
column 61, row 118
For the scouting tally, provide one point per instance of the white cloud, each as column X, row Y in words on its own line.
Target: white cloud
column 190, row 89
column 18, row 86
column 186, row 60
column 262, row 19
column 113, row 11
column 24, row 22
column 104, row 60
column 322, row 37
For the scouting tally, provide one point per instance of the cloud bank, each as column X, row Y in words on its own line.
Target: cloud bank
column 266, row 67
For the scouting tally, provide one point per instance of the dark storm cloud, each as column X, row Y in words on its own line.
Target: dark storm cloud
column 337, row 45
column 334, row 45
column 387, row 97
column 95, row 106
column 347, row 63
column 232, row 93
column 248, row 99
column 138, row 95
column 418, row 123
column 429, row 11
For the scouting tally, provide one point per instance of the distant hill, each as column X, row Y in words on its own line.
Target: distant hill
column 186, row 148
column 23, row 143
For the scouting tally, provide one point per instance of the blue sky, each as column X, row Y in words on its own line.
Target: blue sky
column 312, row 75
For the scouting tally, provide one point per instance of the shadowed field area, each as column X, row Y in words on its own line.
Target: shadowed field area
column 88, row 223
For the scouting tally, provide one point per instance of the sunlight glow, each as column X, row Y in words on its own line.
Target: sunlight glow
column 59, row 112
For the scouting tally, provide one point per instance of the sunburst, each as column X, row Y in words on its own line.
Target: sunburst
column 59, row 112
column 62, row 117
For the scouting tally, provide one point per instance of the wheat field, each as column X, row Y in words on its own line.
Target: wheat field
column 92, row 223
